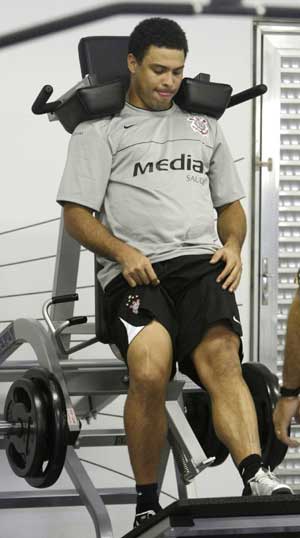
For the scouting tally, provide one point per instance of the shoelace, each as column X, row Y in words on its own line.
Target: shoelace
column 265, row 477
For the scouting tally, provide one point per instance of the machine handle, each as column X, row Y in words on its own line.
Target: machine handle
column 77, row 320
column 64, row 298
column 245, row 95
column 39, row 106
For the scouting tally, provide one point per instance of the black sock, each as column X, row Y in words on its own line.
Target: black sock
column 249, row 467
column 147, row 498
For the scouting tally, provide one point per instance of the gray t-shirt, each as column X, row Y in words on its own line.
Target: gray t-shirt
column 155, row 179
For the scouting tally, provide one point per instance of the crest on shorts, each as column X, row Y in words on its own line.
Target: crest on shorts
column 133, row 302
column 198, row 124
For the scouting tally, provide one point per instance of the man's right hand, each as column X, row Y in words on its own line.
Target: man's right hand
column 136, row 268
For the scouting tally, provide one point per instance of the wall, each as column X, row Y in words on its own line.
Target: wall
column 32, row 160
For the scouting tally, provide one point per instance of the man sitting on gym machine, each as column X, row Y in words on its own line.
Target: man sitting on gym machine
column 157, row 173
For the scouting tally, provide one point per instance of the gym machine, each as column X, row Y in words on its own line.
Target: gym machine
column 41, row 426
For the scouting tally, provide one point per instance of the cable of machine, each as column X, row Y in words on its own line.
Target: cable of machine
column 121, row 474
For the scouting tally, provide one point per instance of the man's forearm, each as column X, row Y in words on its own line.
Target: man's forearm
column 232, row 224
column 91, row 233
column 291, row 368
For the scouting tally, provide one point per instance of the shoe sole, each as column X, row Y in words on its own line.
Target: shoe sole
column 247, row 492
column 282, row 491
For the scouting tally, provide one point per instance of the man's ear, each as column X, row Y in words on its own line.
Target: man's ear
column 132, row 63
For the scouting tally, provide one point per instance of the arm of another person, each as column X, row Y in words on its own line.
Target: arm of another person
column 232, row 227
column 93, row 235
column 289, row 407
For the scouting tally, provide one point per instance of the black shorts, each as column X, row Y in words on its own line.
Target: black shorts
column 186, row 302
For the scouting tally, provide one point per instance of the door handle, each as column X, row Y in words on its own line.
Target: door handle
column 265, row 290
column 264, row 164
column 265, row 281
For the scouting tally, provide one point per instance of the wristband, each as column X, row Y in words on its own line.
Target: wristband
column 289, row 393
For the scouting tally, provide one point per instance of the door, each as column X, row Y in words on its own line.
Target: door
column 276, row 200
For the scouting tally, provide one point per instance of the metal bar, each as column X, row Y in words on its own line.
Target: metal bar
column 135, row 8
column 83, row 345
column 89, row 406
column 105, row 382
column 92, row 15
column 8, row 342
column 89, row 495
column 66, row 272
column 69, row 364
column 53, row 498
column 65, row 278
column 8, row 427
column 86, row 328
column 112, row 437
column 83, row 380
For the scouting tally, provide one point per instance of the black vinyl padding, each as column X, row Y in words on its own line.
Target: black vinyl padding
column 105, row 57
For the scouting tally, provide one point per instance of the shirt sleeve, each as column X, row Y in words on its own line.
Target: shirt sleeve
column 88, row 167
column 225, row 184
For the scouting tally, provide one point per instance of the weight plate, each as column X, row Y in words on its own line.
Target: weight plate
column 26, row 408
column 57, row 428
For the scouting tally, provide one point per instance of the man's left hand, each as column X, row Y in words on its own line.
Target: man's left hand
column 230, row 277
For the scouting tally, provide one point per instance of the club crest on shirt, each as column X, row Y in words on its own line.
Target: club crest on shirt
column 198, row 124
column 133, row 302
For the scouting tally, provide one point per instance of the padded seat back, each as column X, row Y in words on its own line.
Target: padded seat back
column 105, row 57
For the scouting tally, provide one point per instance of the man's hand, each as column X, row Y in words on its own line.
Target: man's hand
column 285, row 410
column 136, row 268
column 230, row 253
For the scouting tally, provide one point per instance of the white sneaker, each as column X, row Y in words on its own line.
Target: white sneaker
column 266, row 483
column 142, row 517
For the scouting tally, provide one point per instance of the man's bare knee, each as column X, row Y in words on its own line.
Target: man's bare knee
column 218, row 341
column 149, row 358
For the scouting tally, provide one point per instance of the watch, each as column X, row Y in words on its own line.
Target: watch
column 285, row 392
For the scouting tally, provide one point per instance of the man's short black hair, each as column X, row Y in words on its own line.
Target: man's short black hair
column 158, row 32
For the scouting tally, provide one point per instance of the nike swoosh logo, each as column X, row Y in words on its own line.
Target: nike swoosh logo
column 236, row 320
column 128, row 126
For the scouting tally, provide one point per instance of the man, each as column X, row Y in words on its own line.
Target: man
column 157, row 173
column 288, row 406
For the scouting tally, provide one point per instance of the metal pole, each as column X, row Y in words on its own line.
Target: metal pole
column 196, row 7
column 8, row 427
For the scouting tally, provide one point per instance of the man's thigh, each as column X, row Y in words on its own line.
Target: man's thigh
column 130, row 314
column 150, row 354
column 205, row 305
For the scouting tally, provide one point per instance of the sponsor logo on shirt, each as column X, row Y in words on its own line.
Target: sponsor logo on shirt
column 198, row 124
column 184, row 162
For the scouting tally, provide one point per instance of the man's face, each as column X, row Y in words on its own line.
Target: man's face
column 155, row 80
